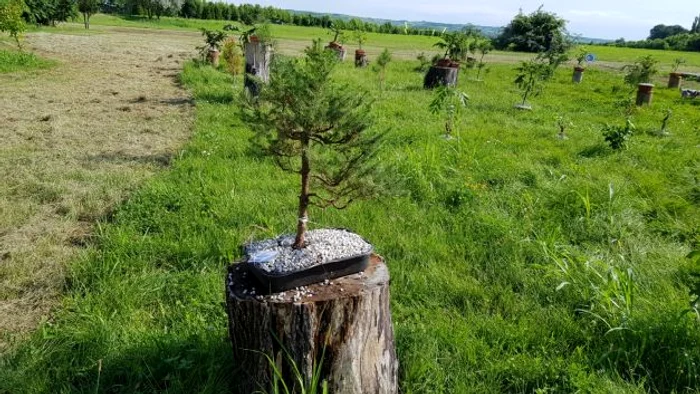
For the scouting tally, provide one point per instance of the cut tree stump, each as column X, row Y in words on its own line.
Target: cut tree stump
column 343, row 328
column 257, row 65
column 441, row 76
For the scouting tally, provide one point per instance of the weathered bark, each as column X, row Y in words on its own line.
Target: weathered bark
column 344, row 329
column 338, row 49
column 438, row 76
column 645, row 92
column 257, row 65
column 675, row 80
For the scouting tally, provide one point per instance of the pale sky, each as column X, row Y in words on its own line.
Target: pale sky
column 631, row 19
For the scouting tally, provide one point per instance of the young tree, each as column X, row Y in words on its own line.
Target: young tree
column 483, row 47
column 11, row 21
column 531, row 77
column 641, row 71
column 450, row 101
column 315, row 129
column 88, row 8
column 381, row 65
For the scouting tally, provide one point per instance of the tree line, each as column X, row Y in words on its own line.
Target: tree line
column 669, row 37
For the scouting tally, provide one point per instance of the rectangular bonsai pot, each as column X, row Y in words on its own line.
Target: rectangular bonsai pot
column 275, row 283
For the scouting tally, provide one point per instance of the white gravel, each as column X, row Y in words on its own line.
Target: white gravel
column 276, row 256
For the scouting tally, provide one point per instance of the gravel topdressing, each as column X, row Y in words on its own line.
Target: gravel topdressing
column 276, row 256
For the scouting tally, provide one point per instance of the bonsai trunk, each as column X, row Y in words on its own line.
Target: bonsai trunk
column 304, row 196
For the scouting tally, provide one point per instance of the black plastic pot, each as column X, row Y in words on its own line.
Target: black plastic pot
column 275, row 283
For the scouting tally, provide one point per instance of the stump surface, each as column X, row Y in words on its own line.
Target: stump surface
column 437, row 76
column 342, row 326
column 257, row 65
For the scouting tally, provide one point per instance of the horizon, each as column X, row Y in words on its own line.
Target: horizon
column 626, row 19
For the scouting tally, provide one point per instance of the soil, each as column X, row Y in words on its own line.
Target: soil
column 76, row 139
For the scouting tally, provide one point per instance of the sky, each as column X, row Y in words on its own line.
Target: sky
column 612, row 19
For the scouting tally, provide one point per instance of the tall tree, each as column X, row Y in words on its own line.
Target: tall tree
column 696, row 25
column 663, row 31
column 315, row 129
column 539, row 31
column 88, row 8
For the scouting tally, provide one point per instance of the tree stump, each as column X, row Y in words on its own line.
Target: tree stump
column 675, row 80
column 645, row 92
column 361, row 58
column 338, row 49
column 257, row 65
column 343, row 328
column 438, row 75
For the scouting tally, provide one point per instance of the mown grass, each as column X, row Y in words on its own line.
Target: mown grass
column 13, row 61
column 520, row 262
column 408, row 46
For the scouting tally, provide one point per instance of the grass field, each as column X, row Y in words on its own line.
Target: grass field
column 520, row 262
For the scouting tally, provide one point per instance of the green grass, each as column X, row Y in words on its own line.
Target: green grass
column 509, row 248
column 408, row 46
column 13, row 61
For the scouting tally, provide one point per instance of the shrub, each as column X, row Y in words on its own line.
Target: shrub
column 641, row 71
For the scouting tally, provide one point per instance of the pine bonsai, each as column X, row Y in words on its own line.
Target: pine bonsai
column 316, row 129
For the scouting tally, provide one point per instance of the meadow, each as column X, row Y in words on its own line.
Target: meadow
column 520, row 261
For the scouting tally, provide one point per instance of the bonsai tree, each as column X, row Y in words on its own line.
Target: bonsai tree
column 88, row 8
column 213, row 40
column 316, row 130
column 532, row 75
column 361, row 37
column 641, row 71
column 337, row 34
column 581, row 56
column 380, row 66
column 677, row 63
column 449, row 102
column 455, row 44
column 11, row 20
column 483, row 47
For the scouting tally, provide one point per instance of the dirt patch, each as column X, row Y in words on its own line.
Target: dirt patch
column 76, row 140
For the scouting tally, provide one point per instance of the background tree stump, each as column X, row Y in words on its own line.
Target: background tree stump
column 343, row 327
column 257, row 65
column 438, row 75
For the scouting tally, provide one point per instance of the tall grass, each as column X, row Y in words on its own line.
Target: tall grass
column 480, row 232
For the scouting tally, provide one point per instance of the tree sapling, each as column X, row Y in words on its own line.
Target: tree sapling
column 381, row 65
column 449, row 101
column 617, row 136
column 11, row 20
column 532, row 75
column 483, row 48
column 315, row 129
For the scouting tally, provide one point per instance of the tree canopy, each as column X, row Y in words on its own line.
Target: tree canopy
column 540, row 31
column 663, row 31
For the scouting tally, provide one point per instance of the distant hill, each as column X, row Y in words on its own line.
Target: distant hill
column 489, row 31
